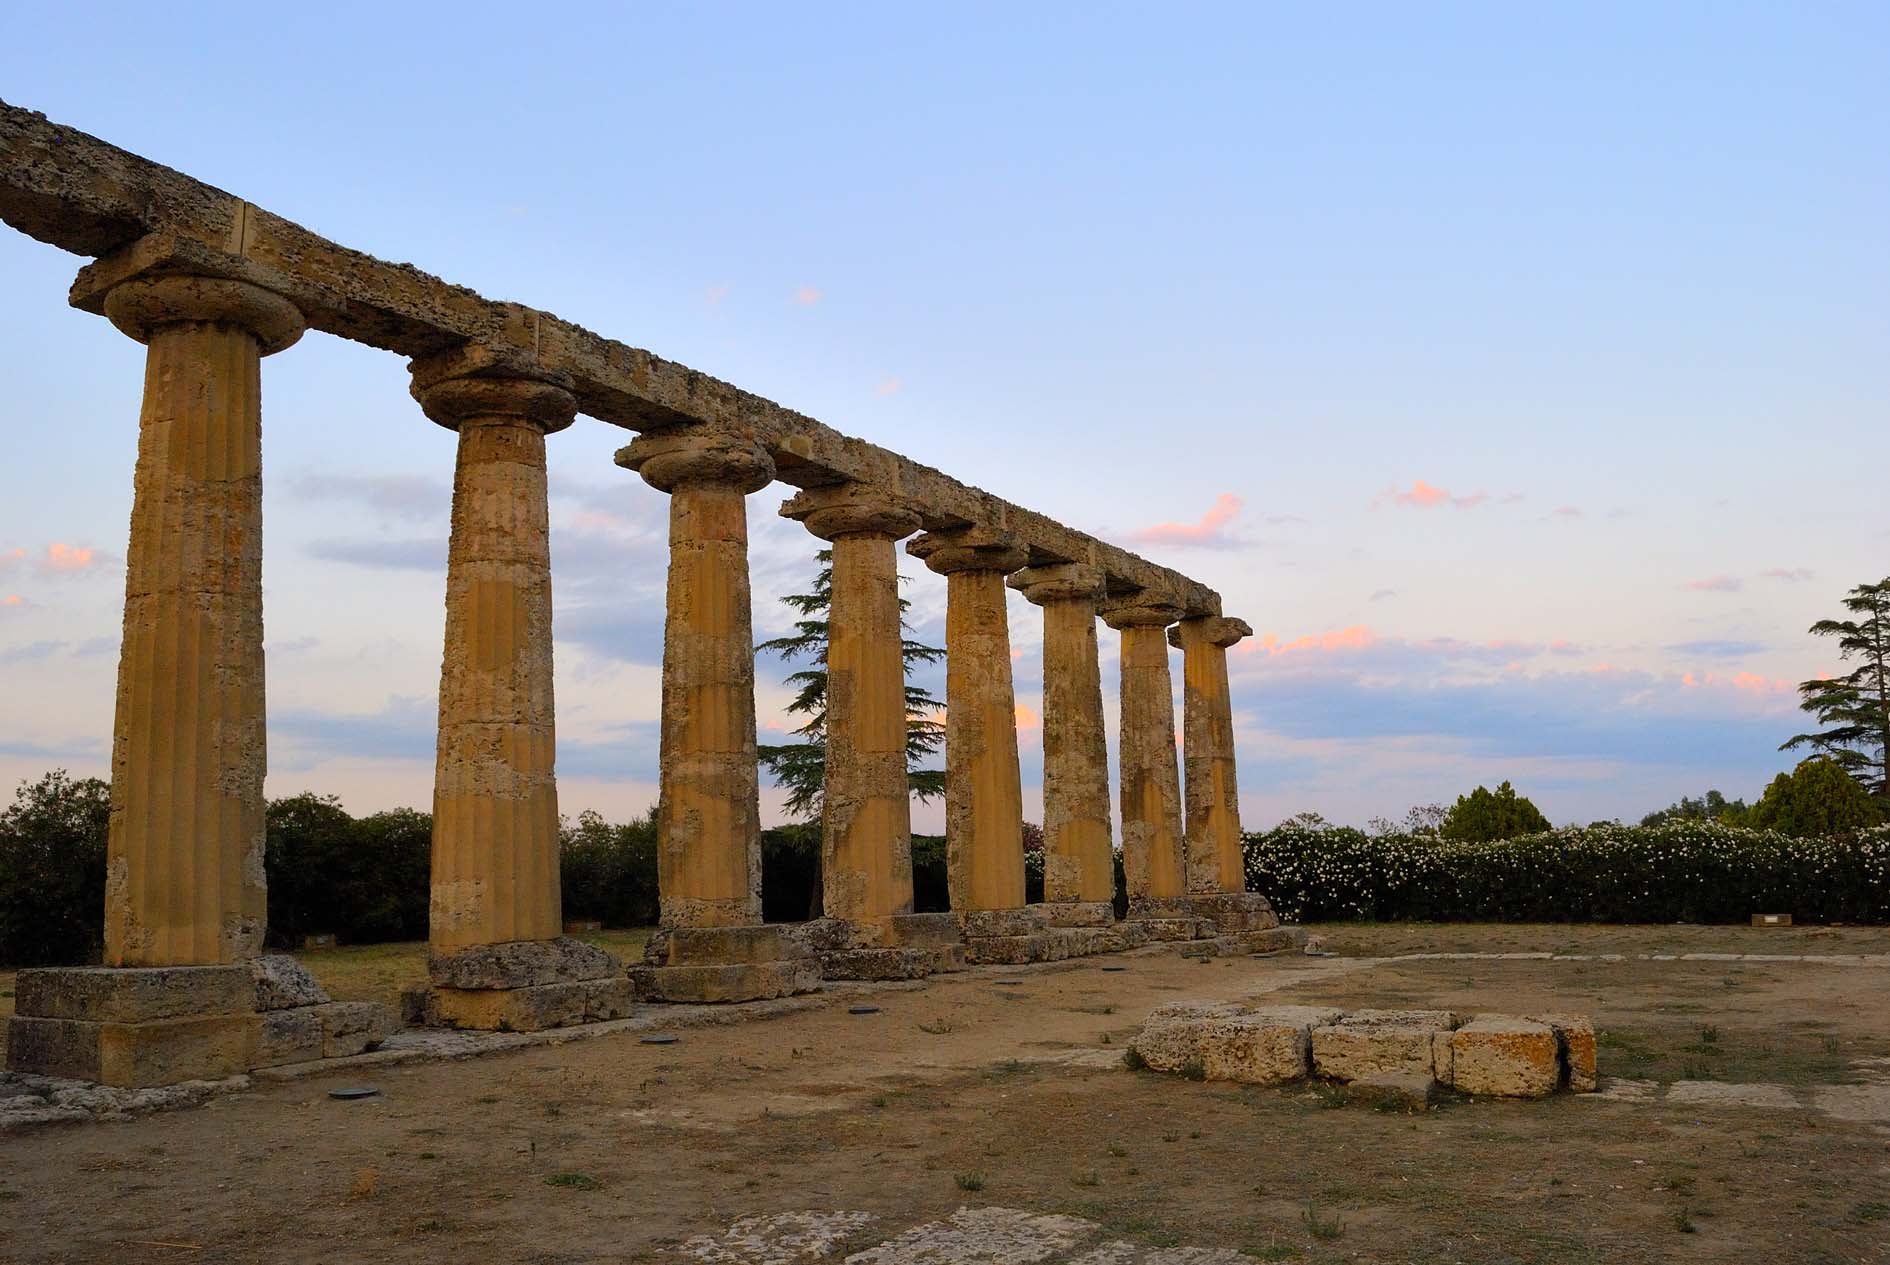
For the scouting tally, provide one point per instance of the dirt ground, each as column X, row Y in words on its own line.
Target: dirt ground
column 974, row 1091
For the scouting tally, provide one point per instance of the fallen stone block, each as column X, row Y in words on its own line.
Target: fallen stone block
column 287, row 1036
column 1505, row 1057
column 1575, row 1035
column 1172, row 1038
column 1368, row 1042
column 1263, row 1047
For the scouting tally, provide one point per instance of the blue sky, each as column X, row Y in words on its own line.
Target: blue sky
column 1520, row 376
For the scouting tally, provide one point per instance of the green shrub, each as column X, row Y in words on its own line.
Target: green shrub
column 1685, row 871
column 362, row 879
column 52, row 871
column 607, row 872
column 1483, row 815
column 1817, row 798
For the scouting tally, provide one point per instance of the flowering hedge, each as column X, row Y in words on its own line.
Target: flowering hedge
column 1679, row 872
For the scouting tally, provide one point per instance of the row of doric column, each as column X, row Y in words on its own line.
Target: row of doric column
column 185, row 883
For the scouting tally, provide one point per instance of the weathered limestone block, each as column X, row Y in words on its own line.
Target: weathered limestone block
column 530, row 1009
column 287, row 1036
column 1234, row 911
column 984, row 843
column 1400, row 1091
column 1166, row 928
column 1077, row 913
column 1503, row 1056
column 106, row 994
column 1214, row 861
column 749, row 981
column 281, row 983
column 890, row 963
column 1024, row 920
column 723, row 946
column 1014, row 950
column 1575, row 1037
column 495, row 799
column 53, row 1047
column 167, row 1051
column 1367, row 1042
column 351, row 1027
column 521, row 964
column 1171, row 1038
column 937, row 929
column 1262, row 1047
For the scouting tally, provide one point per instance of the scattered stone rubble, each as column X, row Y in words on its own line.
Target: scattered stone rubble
column 1403, row 1057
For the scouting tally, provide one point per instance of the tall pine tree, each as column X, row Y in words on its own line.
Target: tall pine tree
column 801, row 767
column 1855, row 708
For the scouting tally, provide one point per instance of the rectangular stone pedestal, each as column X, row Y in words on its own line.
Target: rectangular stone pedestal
column 1077, row 913
column 134, row 1027
column 1233, row 912
column 724, row 964
column 520, row 986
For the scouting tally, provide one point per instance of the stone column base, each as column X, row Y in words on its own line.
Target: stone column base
column 718, row 964
column 519, row 986
column 1234, row 912
column 1240, row 943
column 1172, row 928
column 1078, row 913
column 903, row 946
column 133, row 1027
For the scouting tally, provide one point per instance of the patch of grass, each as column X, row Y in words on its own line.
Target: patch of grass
column 429, row 1155
column 1325, row 1228
column 1118, row 1150
column 878, row 1101
column 434, row 1226
column 573, row 1181
column 1091, row 1178
column 1194, row 1070
column 1133, row 1060
column 1680, row 1185
column 8, row 1196
column 1871, row 1210
column 969, row 1181
column 1683, row 1222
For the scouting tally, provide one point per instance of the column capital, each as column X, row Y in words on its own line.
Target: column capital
column 142, row 305
column 670, row 459
column 1141, row 610
column 1217, row 630
column 851, row 509
column 969, row 549
column 1059, row 582
column 453, row 387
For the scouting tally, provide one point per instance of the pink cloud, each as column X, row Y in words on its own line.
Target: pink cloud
column 1356, row 637
column 1714, row 584
column 64, row 559
column 1566, row 511
column 1791, row 575
column 807, row 296
column 1209, row 532
column 1427, row 496
column 12, row 602
column 1027, row 719
column 890, row 386
column 12, row 560
column 716, row 294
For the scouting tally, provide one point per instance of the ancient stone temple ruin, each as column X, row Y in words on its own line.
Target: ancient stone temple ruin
column 212, row 285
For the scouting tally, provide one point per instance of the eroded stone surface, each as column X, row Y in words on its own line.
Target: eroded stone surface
column 1368, row 1042
column 1403, row 1091
column 133, row 994
column 981, row 1236
column 521, row 964
column 1503, row 1056
column 783, row 1238
column 1576, row 1036
column 282, row 983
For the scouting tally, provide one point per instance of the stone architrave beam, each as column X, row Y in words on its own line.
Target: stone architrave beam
column 83, row 195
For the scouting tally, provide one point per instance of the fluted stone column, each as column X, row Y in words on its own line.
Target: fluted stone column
column 1152, row 841
column 983, row 794
column 712, row 945
column 1078, row 867
column 185, row 904
column 495, row 921
column 184, row 875
column 1213, row 799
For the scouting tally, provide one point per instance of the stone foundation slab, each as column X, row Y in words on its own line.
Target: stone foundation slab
column 133, row 994
column 984, row 924
column 1575, row 1040
column 1078, row 913
column 132, row 1055
column 890, row 963
column 746, row 981
column 938, row 928
column 517, row 964
column 725, row 946
column 530, row 1009
column 1367, row 1042
column 1155, row 929
column 1503, row 1057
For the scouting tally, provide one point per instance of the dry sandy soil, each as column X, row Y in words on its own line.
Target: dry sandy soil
column 971, row 1091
